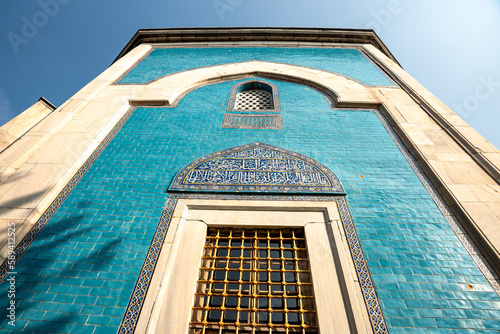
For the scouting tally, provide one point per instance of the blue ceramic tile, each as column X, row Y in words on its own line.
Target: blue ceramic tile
column 439, row 331
column 105, row 330
column 82, row 329
column 472, row 323
column 400, row 322
column 447, row 323
column 491, row 324
column 98, row 320
column 431, row 313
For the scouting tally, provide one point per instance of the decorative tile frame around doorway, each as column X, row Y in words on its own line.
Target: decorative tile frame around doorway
column 367, row 286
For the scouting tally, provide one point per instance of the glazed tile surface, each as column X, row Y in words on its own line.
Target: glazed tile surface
column 79, row 269
column 347, row 62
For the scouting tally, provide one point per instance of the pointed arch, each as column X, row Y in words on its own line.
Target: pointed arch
column 344, row 91
column 257, row 168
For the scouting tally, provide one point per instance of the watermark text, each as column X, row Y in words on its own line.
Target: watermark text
column 485, row 88
column 223, row 6
column 383, row 17
column 32, row 25
column 11, row 275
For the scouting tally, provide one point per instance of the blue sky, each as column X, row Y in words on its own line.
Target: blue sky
column 451, row 46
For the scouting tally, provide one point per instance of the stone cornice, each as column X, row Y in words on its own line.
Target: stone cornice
column 47, row 103
column 295, row 35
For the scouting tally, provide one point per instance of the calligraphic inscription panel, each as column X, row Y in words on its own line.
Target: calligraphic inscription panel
column 257, row 167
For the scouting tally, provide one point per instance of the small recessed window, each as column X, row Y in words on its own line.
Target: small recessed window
column 253, row 104
column 254, row 95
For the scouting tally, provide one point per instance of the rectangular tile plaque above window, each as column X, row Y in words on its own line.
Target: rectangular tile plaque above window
column 252, row 121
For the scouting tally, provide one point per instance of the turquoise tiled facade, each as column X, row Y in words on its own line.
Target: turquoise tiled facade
column 79, row 273
column 348, row 62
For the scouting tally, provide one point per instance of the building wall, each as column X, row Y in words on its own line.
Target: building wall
column 21, row 124
column 345, row 61
column 79, row 272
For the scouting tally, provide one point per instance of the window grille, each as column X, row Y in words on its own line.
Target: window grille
column 254, row 281
column 254, row 99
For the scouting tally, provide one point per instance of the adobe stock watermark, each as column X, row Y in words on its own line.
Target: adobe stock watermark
column 11, row 275
column 382, row 18
column 223, row 6
column 484, row 90
column 31, row 26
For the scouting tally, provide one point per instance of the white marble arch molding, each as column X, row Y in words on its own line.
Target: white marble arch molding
column 257, row 168
column 168, row 90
